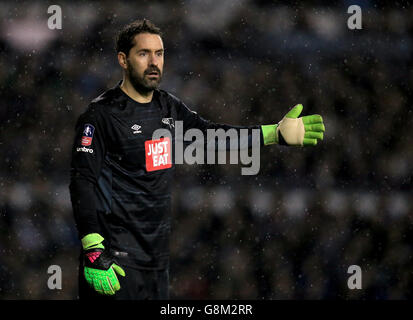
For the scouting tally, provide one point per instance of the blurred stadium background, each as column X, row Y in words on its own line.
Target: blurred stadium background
column 289, row 232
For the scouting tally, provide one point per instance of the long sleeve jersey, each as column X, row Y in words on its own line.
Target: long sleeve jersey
column 121, row 177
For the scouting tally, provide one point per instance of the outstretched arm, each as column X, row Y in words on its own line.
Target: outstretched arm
column 291, row 130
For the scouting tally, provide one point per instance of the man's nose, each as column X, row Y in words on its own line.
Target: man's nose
column 153, row 61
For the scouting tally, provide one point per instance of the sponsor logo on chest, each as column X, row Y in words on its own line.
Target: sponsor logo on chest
column 158, row 154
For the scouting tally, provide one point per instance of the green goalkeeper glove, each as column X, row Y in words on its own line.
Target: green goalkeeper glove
column 294, row 131
column 99, row 267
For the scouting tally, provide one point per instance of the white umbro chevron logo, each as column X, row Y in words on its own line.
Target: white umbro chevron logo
column 136, row 128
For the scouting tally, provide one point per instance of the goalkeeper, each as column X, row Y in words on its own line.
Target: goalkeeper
column 121, row 204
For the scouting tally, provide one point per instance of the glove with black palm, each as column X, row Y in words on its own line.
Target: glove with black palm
column 100, row 268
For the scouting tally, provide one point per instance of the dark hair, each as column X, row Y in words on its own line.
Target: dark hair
column 124, row 39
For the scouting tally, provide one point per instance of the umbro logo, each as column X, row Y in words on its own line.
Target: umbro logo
column 136, row 128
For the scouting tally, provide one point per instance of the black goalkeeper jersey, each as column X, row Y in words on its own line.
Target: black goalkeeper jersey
column 121, row 177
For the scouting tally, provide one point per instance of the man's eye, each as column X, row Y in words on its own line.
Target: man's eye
column 142, row 54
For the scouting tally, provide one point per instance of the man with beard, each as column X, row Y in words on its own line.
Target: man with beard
column 121, row 202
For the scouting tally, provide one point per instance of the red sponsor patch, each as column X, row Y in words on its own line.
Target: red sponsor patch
column 158, row 154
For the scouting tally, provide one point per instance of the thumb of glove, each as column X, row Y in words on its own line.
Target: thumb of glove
column 294, row 112
column 118, row 270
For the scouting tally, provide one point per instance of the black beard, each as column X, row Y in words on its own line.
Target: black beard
column 142, row 84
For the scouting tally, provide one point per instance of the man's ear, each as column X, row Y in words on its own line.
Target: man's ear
column 122, row 60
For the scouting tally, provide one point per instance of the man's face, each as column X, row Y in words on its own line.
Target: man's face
column 145, row 62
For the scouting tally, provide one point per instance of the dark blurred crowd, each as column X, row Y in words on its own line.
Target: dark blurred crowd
column 290, row 232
